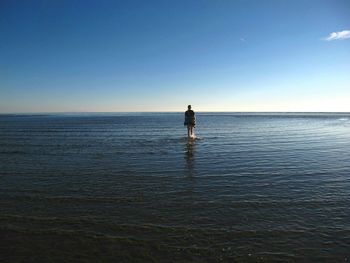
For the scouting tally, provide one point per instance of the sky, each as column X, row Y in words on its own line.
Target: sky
column 112, row 56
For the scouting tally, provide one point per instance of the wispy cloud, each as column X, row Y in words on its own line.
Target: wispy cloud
column 338, row 35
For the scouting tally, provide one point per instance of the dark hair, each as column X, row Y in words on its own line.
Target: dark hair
column 189, row 106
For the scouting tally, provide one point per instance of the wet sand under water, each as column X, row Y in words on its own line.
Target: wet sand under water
column 37, row 239
column 49, row 246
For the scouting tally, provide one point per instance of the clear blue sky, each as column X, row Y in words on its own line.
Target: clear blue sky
column 59, row 56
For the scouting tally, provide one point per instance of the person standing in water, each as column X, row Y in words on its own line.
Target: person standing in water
column 190, row 121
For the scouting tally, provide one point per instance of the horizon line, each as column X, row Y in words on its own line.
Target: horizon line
column 87, row 112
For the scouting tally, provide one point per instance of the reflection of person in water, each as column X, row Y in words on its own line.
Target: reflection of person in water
column 189, row 156
column 190, row 122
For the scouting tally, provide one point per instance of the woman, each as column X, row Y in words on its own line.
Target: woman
column 190, row 121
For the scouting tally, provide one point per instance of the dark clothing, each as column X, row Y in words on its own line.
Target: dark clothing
column 190, row 119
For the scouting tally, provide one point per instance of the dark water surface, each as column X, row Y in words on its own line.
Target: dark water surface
column 263, row 186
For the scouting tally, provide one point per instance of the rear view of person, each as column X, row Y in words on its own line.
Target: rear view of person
column 190, row 121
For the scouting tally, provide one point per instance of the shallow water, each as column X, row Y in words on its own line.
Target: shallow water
column 273, row 186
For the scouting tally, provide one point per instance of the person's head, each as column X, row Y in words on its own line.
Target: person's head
column 189, row 107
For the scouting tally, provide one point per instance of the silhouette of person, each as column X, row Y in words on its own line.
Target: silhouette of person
column 190, row 121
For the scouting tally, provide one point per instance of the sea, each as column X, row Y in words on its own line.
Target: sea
column 251, row 187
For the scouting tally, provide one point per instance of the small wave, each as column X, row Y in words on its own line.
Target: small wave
column 12, row 152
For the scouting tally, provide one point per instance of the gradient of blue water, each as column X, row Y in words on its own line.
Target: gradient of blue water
column 279, row 182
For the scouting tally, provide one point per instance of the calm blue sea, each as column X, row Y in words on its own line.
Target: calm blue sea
column 262, row 185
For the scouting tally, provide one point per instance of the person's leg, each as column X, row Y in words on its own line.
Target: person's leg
column 188, row 131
